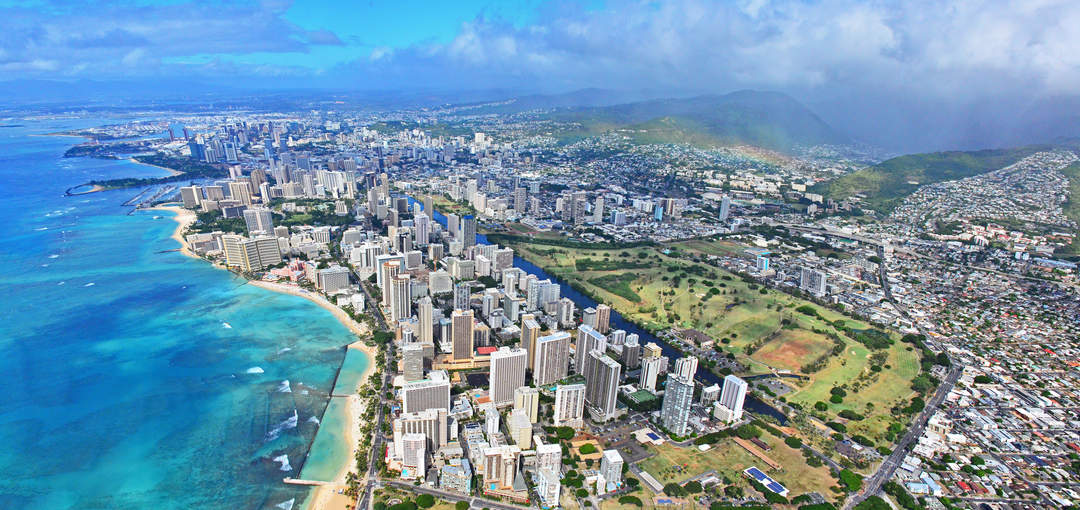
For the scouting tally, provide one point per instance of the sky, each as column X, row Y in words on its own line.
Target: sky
column 918, row 53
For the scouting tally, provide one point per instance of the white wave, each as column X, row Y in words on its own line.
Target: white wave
column 284, row 350
column 42, row 228
column 44, row 265
column 91, row 284
column 285, row 387
column 287, row 505
column 314, row 419
column 289, row 423
column 255, row 370
column 284, row 460
column 54, row 256
column 61, row 283
column 226, row 325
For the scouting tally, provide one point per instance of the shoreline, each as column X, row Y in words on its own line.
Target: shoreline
column 172, row 172
column 325, row 496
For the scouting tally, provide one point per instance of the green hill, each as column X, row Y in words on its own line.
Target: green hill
column 886, row 184
column 763, row 119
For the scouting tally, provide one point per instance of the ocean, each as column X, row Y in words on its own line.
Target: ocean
column 136, row 377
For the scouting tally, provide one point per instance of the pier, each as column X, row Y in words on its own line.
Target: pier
column 309, row 483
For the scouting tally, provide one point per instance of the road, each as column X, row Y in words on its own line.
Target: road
column 474, row 501
column 363, row 499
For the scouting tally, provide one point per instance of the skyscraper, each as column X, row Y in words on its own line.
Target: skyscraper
column 412, row 356
column 552, row 358
column 588, row 339
column 602, row 385
column 426, row 315
column 611, row 467
column 401, row 297
column 650, row 369
column 468, row 231
column 430, row 393
column 686, row 366
column 731, row 399
column 507, row 373
column 461, row 296
column 725, row 208
column 462, row 334
column 631, row 352
column 530, row 332
column 569, row 405
column 675, row 412
column 603, row 318
column 527, row 399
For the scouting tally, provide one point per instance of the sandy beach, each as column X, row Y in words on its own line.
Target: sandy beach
column 325, row 497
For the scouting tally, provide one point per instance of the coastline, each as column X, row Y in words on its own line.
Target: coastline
column 324, row 497
column 171, row 171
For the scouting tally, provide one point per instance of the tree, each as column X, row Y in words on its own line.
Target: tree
column 582, row 493
column 674, row 490
column 851, row 480
column 425, row 501
column 565, row 433
column 461, row 505
column 693, row 487
column 587, row 448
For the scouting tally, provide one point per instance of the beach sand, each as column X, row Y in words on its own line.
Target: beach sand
column 326, row 497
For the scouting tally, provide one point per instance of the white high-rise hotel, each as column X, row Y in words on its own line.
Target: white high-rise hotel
column 730, row 406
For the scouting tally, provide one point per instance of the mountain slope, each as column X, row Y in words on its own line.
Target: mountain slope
column 765, row 119
column 886, row 184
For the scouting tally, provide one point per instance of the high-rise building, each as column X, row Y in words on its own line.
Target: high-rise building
column 652, row 350
column 191, row 196
column 241, row 192
column 426, row 315
column 251, row 254
column 462, row 292
column 530, row 332
column 588, row 339
column 548, row 487
column 725, row 208
column 548, row 456
column 500, row 466
column 432, row 424
column 468, row 231
column 565, row 314
column 813, row 281
column 412, row 356
column 732, row 398
column 258, row 221
column 603, row 318
column 650, row 369
column 675, row 412
column 520, row 429
column 332, row 279
column 631, row 352
column 453, row 226
column 552, row 358
column 602, row 385
column 491, row 421
column 588, row 317
column 430, row 393
column 611, row 465
column 413, row 452
column 709, row 394
column 401, row 297
column 507, row 373
column 462, row 334
column 569, row 406
column 527, row 399
column 686, row 366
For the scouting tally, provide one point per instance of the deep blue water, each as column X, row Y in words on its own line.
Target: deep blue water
column 123, row 386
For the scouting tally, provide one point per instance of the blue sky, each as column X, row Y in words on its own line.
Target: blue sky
column 962, row 48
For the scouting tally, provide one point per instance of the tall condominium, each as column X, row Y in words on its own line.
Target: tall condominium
column 603, row 318
column 461, row 296
column 425, row 314
column 631, row 352
column 611, row 467
column 552, row 358
column 588, row 339
column 686, row 366
column 401, row 297
column 251, row 254
column 675, row 412
column 527, row 399
column 462, row 335
column 520, row 428
column 468, row 231
column 602, row 385
column 565, row 313
column 731, row 399
column 813, row 281
column 432, row 424
column 651, row 350
column 650, row 369
column 530, row 332
column 388, row 270
column 258, row 220
column 430, row 393
column 569, row 405
column 710, row 394
column 412, row 356
column 588, row 317
column 507, row 373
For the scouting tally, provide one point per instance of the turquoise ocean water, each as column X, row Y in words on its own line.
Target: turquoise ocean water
column 134, row 377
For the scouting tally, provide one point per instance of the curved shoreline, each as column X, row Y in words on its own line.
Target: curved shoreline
column 325, row 496
column 172, row 172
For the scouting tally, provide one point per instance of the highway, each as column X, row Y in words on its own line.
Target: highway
column 473, row 501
